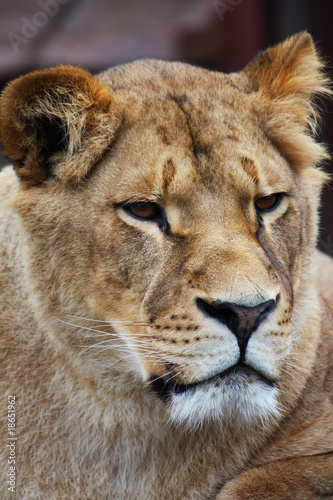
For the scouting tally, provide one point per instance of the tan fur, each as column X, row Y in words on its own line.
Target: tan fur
column 124, row 382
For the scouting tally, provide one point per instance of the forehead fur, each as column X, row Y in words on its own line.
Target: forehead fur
column 278, row 89
column 182, row 137
column 162, row 78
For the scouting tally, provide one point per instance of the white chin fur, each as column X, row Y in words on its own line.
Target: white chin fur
column 241, row 403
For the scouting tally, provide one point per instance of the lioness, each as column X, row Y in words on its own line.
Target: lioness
column 162, row 334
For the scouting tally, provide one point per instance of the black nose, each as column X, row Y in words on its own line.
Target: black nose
column 241, row 320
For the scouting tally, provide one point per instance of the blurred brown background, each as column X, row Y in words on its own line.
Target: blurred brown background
column 217, row 34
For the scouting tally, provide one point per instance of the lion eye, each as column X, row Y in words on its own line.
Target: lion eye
column 142, row 210
column 267, row 203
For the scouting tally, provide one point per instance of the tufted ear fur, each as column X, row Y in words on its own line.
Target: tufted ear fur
column 286, row 78
column 57, row 122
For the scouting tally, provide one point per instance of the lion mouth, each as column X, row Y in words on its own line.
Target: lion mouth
column 236, row 377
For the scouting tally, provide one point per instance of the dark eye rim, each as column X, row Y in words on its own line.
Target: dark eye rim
column 158, row 216
column 155, row 215
column 279, row 198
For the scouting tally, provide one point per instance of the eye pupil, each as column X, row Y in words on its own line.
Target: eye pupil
column 143, row 210
column 266, row 202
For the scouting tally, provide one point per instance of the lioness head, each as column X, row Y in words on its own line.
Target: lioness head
column 170, row 214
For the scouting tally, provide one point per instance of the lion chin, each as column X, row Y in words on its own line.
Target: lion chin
column 165, row 319
column 240, row 396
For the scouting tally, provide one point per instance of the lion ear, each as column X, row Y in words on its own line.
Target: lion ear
column 286, row 79
column 56, row 122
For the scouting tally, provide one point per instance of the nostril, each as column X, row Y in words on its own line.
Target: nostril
column 241, row 320
column 221, row 311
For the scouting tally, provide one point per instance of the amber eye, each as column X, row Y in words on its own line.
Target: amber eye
column 142, row 210
column 267, row 203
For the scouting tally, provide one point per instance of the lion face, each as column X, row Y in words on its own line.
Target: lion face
column 186, row 239
column 206, row 225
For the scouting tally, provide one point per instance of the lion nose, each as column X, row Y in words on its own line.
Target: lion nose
column 241, row 320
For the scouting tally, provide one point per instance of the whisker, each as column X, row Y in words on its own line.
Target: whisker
column 141, row 344
column 118, row 346
column 149, row 382
column 98, row 331
column 116, row 335
column 146, row 354
column 170, row 378
column 128, row 356
column 110, row 322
